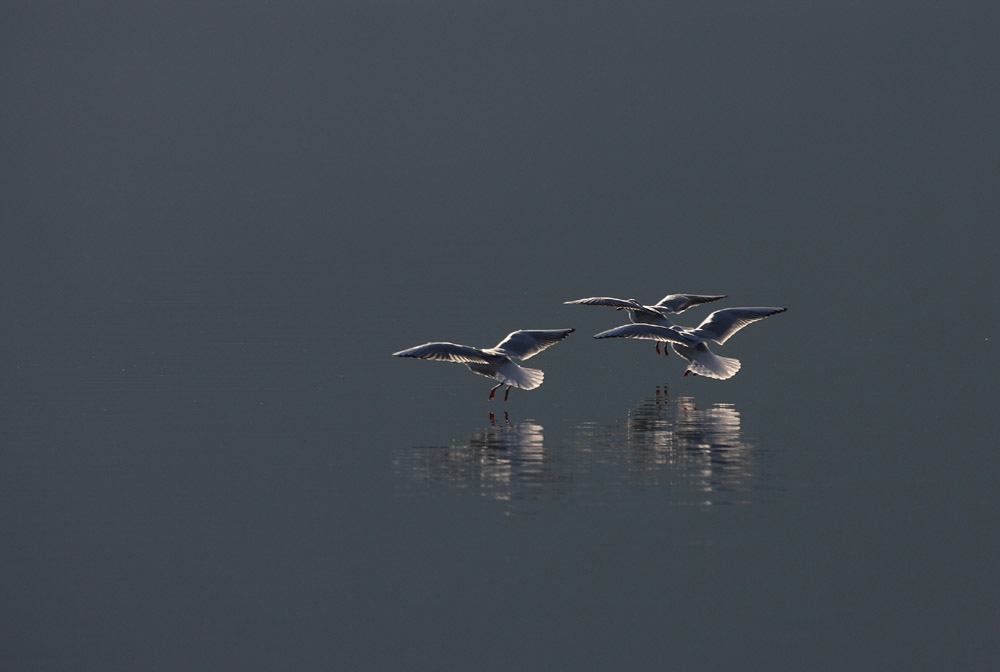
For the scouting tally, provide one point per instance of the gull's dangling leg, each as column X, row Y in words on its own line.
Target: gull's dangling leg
column 686, row 372
column 666, row 350
column 658, row 347
column 494, row 390
column 506, row 393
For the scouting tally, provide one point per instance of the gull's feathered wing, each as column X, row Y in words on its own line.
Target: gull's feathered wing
column 611, row 302
column 669, row 304
column 722, row 324
column 649, row 332
column 525, row 344
column 446, row 352
column 678, row 303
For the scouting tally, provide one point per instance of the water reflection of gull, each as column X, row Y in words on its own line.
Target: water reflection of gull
column 694, row 455
column 672, row 441
column 501, row 460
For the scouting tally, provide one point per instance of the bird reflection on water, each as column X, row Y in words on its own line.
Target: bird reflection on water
column 673, row 442
column 694, row 455
column 502, row 461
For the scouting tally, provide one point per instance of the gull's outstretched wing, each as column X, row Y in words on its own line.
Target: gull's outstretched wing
column 678, row 303
column 620, row 304
column 528, row 343
column 446, row 352
column 722, row 324
column 649, row 332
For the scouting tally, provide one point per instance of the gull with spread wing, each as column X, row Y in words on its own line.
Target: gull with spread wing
column 691, row 342
column 496, row 362
column 671, row 304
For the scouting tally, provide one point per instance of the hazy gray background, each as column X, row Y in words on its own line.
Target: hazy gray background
column 219, row 220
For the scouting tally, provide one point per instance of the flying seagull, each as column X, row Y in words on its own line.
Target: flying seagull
column 496, row 362
column 671, row 304
column 691, row 342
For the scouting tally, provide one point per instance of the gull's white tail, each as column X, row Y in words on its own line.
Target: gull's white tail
column 704, row 362
column 520, row 377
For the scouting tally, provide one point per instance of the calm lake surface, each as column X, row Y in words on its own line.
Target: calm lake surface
column 218, row 226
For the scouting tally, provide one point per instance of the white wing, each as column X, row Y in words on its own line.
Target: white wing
column 649, row 332
column 526, row 344
column 446, row 352
column 620, row 304
column 678, row 303
column 722, row 324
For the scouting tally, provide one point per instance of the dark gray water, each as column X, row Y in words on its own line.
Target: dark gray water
column 218, row 223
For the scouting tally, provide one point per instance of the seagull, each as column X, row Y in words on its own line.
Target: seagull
column 691, row 342
column 496, row 362
column 671, row 304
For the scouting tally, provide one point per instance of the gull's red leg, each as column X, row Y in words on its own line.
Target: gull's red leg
column 494, row 390
column 658, row 347
column 506, row 393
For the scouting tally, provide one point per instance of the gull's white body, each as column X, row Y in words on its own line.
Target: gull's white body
column 496, row 362
column 691, row 343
